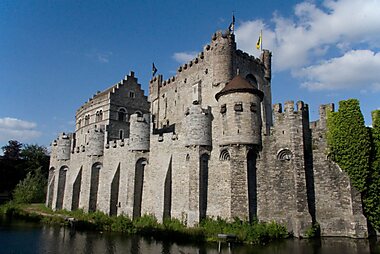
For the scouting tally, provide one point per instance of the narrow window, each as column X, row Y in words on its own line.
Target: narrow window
column 121, row 115
column 121, row 134
column 223, row 109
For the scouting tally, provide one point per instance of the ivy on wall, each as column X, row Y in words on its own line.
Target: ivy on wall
column 349, row 141
column 356, row 149
column 372, row 195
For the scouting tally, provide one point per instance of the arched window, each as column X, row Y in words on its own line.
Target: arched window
column 87, row 119
column 121, row 134
column 121, row 115
column 139, row 113
column 99, row 115
column 224, row 155
column 79, row 123
column 284, row 155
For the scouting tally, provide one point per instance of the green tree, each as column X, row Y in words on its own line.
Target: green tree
column 31, row 189
column 12, row 150
column 35, row 157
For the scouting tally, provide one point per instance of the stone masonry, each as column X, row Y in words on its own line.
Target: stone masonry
column 205, row 142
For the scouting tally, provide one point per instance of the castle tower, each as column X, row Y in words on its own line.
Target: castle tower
column 223, row 46
column 239, row 105
column 63, row 147
column 139, row 135
column 197, row 123
column 95, row 142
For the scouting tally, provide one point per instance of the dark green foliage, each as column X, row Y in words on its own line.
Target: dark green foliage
column 35, row 156
column 349, row 142
column 12, row 150
column 24, row 165
column 372, row 195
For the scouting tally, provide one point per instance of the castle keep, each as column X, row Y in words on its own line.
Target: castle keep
column 205, row 142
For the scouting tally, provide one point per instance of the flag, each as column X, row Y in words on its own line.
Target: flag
column 154, row 70
column 259, row 41
column 231, row 28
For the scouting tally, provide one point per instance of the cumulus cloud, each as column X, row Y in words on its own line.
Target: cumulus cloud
column 304, row 42
column 355, row 69
column 13, row 128
column 183, row 57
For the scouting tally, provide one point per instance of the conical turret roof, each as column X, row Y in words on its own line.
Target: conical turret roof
column 239, row 84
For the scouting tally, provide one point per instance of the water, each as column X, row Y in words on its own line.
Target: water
column 24, row 237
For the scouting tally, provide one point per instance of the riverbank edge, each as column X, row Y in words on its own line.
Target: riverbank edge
column 257, row 233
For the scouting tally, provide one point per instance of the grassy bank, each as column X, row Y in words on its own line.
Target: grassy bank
column 147, row 225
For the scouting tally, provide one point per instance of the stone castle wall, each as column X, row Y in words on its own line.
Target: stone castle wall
column 192, row 152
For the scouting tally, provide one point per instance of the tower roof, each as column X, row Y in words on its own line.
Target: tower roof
column 240, row 85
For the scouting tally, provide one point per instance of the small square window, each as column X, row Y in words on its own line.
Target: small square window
column 132, row 94
column 238, row 107
column 253, row 107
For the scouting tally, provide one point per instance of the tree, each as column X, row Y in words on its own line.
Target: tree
column 35, row 156
column 31, row 189
column 12, row 150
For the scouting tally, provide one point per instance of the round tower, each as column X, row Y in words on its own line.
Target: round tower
column 95, row 142
column 139, row 132
column 63, row 147
column 240, row 110
column 197, row 124
column 220, row 53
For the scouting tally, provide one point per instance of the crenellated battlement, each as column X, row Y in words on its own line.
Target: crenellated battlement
column 288, row 108
column 219, row 41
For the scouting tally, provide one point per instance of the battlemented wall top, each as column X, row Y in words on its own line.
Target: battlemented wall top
column 216, row 37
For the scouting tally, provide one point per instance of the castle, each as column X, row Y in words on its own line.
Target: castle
column 205, row 142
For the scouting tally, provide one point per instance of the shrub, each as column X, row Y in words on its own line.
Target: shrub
column 31, row 189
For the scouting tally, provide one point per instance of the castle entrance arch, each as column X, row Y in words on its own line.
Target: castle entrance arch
column 138, row 188
column 61, row 187
column 252, row 184
column 51, row 180
column 95, row 171
column 203, row 185
column 76, row 191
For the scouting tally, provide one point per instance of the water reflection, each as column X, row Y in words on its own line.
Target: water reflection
column 16, row 237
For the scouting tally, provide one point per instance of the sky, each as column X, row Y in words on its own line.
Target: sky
column 55, row 54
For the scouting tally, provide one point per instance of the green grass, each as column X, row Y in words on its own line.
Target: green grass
column 147, row 225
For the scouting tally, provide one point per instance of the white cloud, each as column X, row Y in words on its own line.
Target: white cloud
column 356, row 69
column 183, row 57
column 102, row 57
column 304, row 42
column 12, row 128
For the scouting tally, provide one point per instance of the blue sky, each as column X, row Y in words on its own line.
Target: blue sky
column 54, row 55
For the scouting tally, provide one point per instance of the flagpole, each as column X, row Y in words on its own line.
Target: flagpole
column 261, row 35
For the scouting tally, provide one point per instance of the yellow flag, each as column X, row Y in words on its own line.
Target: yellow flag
column 258, row 44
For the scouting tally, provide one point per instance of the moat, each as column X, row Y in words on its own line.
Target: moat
column 17, row 236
